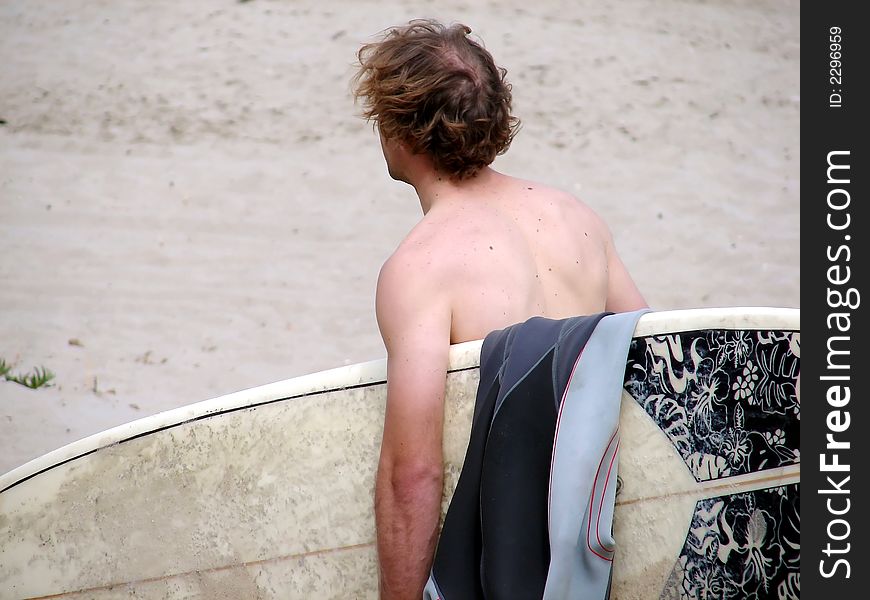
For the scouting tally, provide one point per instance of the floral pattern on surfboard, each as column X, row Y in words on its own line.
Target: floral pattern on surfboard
column 727, row 400
column 745, row 546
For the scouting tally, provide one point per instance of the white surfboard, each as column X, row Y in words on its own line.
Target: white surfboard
column 267, row 493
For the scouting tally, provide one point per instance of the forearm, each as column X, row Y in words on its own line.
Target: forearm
column 407, row 509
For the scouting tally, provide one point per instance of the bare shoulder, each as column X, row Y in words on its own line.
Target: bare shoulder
column 544, row 192
column 433, row 250
column 568, row 208
column 622, row 293
column 401, row 277
column 412, row 310
column 409, row 277
column 414, row 258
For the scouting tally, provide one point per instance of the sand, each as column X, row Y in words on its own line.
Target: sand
column 190, row 205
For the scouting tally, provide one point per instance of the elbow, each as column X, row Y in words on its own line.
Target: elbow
column 417, row 474
column 411, row 480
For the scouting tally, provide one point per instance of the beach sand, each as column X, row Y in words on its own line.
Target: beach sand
column 190, row 205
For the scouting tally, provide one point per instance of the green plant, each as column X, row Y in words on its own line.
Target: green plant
column 40, row 377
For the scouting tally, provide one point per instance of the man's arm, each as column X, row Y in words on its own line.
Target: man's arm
column 622, row 293
column 414, row 319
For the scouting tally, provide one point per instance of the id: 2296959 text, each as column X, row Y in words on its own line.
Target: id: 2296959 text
column 835, row 53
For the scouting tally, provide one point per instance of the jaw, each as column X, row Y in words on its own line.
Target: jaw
column 395, row 155
column 395, row 173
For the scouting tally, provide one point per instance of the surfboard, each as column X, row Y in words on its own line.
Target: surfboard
column 267, row 493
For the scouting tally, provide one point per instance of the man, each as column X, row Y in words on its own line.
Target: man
column 490, row 251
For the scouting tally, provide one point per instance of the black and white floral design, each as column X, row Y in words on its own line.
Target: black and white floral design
column 727, row 400
column 745, row 546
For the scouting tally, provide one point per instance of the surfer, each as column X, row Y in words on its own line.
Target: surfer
column 490, row 250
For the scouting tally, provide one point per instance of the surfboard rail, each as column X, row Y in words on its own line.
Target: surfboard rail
column 462, row 356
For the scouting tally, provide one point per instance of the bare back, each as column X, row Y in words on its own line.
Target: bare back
column 513, row 250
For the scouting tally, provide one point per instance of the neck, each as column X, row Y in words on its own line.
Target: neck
column 434, row 189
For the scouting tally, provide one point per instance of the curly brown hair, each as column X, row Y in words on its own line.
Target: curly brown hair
column 438, row 91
